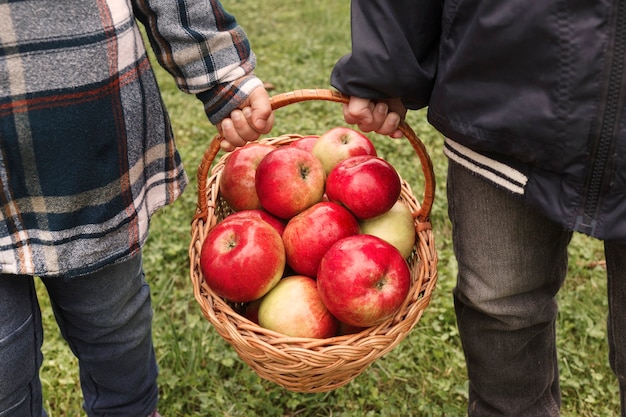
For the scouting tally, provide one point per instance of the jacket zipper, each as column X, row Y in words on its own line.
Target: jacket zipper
column 609, row 121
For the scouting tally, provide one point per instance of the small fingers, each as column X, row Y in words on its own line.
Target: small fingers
column 227, row 147
column 245, row 124
column 231, row 133
column 386, row 122
column 259, row 113
column 358, row 111
column 372, row 117
column 382, row 122
column 260, row 121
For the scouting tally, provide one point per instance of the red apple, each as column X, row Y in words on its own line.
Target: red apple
column 339, row 143
column 251, row 310
column 367, row 185
column 242, row 259
column 309, row 234
column 363, row 280
column 396, row 226
column 274, row 221
column 237, row 180
column 294, row 308
column 345, row 329
column 305, row 142
column 289, row 180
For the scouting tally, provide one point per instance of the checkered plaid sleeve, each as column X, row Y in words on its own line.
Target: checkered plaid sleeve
column 204, row 48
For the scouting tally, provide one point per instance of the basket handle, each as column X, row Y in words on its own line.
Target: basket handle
column 296, row 96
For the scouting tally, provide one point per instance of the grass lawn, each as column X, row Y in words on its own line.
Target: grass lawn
column 297, row 43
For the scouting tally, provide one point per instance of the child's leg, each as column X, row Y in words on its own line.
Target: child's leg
column 20, row 348
column 616, row 270
column 512, row 262
column 106, row 318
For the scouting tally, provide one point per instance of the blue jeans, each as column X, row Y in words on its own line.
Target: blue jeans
column 512, row 262
column 106, row 319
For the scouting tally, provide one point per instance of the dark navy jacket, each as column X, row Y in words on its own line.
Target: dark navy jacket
column 530, row 95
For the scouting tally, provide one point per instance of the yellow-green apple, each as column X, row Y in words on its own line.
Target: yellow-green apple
column 294, row 308
column 396, row 226
column 237, row 180
column 363, row 280
column 305, row 142
column 289, row 180
column 366, row 185
column 310, row 233
column 278, row 224
column 242, row 259
column 339, row 143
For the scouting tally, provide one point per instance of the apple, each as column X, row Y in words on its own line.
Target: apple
column 363, row 280
column 294, row 308
column 242, row 259
column 274, row 221
column 289, row 180
column 395, row 226
column 237, row 180
column 305, row 142
column 345, row 329
column 339, row 143
column 366, row 185
column 251, row 310
column 310, row 233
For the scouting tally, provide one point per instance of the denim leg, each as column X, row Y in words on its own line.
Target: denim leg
column 21, row 337
column 512, row 262
column 106, row 318
column 616, row 272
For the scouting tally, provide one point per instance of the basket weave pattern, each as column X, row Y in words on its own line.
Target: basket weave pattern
column 306, row 364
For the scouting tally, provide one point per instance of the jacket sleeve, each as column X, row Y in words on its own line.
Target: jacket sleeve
column 204, row 48
column 394, row 50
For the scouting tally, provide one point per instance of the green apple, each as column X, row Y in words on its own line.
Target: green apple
column 395, row 226
column 294, row 308
column 339, row 143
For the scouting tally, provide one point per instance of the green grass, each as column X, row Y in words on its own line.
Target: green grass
column 297, row 44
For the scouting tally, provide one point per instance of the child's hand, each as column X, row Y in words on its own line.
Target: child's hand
column 382, row 117
column 253, row 118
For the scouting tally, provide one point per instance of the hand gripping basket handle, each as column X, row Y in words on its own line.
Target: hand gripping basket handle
column 281, row 100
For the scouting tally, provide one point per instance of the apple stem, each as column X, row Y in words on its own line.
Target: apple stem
column 304, row 172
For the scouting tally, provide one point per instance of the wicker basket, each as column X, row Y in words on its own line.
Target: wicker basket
column 305, row 364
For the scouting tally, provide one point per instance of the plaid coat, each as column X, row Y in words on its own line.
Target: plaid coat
column 86, row 148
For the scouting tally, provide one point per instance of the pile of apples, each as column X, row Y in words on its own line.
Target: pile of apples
column 318, row 241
